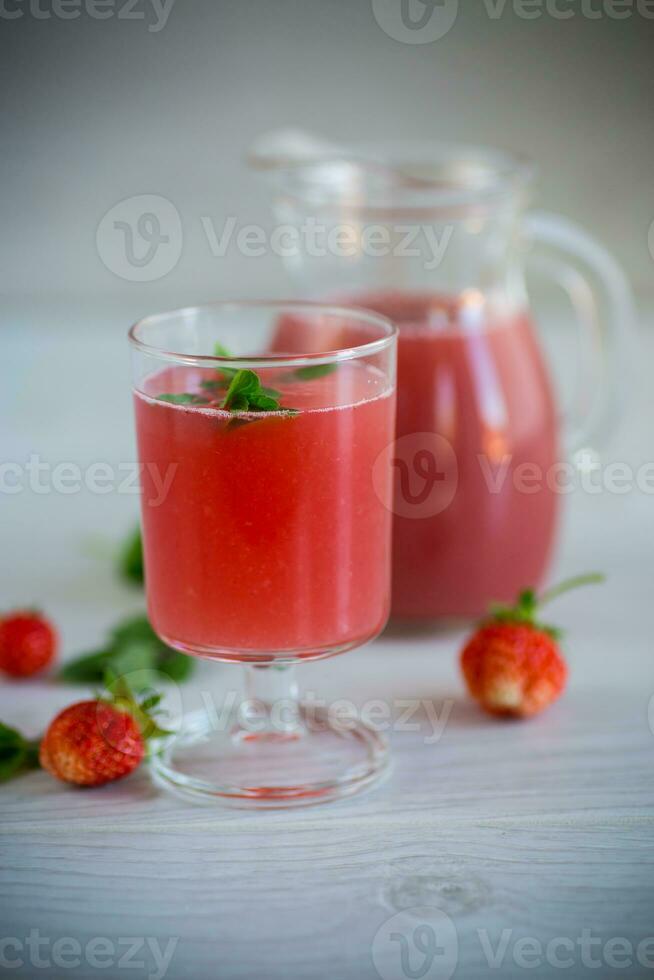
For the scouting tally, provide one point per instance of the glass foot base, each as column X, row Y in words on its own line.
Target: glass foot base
column 314, row 763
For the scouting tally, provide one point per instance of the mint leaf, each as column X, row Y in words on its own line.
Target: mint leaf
column 178, row 666
column 243, row 384
column 17, row 753
column 132, row 646
column 183, row 399
column 246, row 394
column 133, row 629
column 314, row 371
column 130, row 560
column 226, row 373
column 87, row 669
column 137, row 655
column 261, row 402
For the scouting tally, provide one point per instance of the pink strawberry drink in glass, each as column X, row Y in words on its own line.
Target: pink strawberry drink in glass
column 266, row 511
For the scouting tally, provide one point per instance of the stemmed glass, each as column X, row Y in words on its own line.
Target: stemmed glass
column 264, row 432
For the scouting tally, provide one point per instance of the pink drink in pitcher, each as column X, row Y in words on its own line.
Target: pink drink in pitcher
column 437, row 237
column 475, row 504
column 478, row 522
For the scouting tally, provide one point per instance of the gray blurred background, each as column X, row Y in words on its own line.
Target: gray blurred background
column 97, row 110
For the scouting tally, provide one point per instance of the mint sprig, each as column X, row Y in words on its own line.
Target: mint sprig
column 184, row 398
column 17, row 753
column 223, row 374
column 314, row 371
column 132, row 646
column 130, row 559
column 244, row 391
column 247, row 394
column 220, row 351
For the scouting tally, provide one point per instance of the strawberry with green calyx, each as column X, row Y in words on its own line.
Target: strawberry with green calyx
column 95, row 742
column 90, row 743
column 512, row 665
column 143, row 709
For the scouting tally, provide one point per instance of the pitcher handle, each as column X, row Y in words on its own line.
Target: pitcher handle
column 603, row 303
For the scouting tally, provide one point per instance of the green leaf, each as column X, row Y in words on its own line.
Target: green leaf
column 264, row 403
column 183, row 399
column 226, row 373
column 150, row 702
column 17, row 754
column 87, row 669
column 314, row 371
column 247, row 394
column 244, row 389
column 123, row 697
column 133, row 647
column 130, row 561
column 178, row 666
column 244, row 393
column 134, row 628
column 137, row 655
column 243, row 384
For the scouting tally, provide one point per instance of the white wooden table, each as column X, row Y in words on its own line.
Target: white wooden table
column 520, row 849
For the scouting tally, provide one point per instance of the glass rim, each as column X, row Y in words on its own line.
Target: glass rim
column 248, row 362
column 500, row 174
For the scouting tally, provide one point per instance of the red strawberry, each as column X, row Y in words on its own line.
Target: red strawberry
column 94, row 742
column 91, row 743
column 512, row 664
column 28, row 642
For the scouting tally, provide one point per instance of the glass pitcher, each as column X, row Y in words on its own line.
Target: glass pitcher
column 436, row 238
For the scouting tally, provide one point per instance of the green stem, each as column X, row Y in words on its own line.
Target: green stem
column 571, row 583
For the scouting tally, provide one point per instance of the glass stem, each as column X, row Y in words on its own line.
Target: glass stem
column 271, row 705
